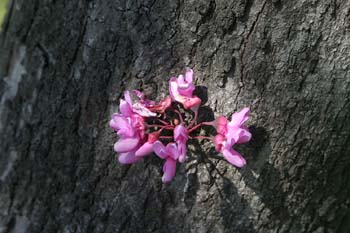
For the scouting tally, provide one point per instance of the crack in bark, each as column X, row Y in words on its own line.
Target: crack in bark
column 246, row 40
column 35, row 11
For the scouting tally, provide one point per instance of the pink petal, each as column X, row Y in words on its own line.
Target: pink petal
column 172, row 150
column 238, row 135
column 113, row 123
column 181, row 91
column 139, row 94
column 160, row 150
column 244, row 135
column 180, row 133
column 218, row 142
column 191, row 102
column 161, row 106
column 126, row 144
column 189, row 75
column 169, row 169
column 143, row 100
column 122, row 125
column 233, row 157
column 138, row 123
column 181, row 80
column 173, row 90
column 182, row 152
column 185, row 86
column 240, row 117
column 221, row 125
column 125, row 108
column 128, row 158
column 127, row 97
column 142, row 110
column 165, row 103
column 232, row 134
column 145, row 149
column 186, row 90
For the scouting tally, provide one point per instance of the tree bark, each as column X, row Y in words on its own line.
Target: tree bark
column 65, row 64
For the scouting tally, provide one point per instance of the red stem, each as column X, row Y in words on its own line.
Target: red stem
column 194, row 119
column 163, row 122
column 180, row 116
column 199, row 125
column 162, row 126
column 166, row 137
column 202, row 137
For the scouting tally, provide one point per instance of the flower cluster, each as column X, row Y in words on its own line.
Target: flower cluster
column 145, row 126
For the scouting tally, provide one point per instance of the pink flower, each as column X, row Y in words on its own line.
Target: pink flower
column 161, row 106
column 122, row 125
column 152, row 105
column 221, row 125
column 147, row 147
column 181, row 90
column 130, row 128
column 170, row 153
column 181, row 137
column 238, row 132
column 128, row 157
column 129, row 137
column 230, row 133
column 185, row 85
column 142, row 124
column 142, row 98
column 127, row 108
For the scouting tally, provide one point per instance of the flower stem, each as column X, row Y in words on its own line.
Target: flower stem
column 194, row 119
column 163, row 122
column 180, row 116
column 202, row 137
column 162, row 126
column 199, row 125
column 166, row 137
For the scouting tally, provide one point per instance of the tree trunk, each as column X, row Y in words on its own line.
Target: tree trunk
column 65, row 64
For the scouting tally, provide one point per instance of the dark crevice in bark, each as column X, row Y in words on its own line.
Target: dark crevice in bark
column 31, row 21
column 248, row 4
column 246, row 40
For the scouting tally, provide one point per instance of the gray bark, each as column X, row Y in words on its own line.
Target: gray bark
column 65, row 64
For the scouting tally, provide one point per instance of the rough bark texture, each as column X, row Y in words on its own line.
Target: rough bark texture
column 65, row 64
